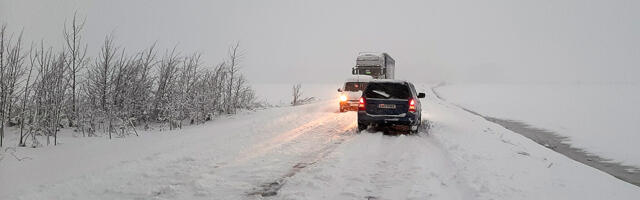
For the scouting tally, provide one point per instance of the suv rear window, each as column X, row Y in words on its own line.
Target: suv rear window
column 387, row 91
column 354, row 86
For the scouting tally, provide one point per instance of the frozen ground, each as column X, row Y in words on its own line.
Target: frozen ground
column 600, row 118
column 309, row 152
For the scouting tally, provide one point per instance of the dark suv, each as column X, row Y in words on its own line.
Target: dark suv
column 390, row 102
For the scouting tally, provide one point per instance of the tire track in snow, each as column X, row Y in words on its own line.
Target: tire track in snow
column 421, row 169
column 264, row 159
column 272, row 188
column 283, row 138
column 337, row 137
column 377, row 166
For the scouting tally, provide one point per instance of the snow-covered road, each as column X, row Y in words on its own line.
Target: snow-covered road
column 311, row 152
column 375, row 166
column 226, row 159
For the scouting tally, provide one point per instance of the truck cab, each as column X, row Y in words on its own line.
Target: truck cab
column 351, row 91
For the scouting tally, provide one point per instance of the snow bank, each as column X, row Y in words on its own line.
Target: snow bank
column 601, row 118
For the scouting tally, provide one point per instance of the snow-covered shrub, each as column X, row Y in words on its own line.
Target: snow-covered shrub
column 44, row 88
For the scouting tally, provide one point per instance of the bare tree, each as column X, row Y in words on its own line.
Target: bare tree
column 214, row 82
column 50, row 87
column 297, row 94
column 58, row 86
column 166, row 86
column 11, row 69
column 76, row 52
column 101, row 77
column 26, row 90
column 2, row 82
column 189, row 80
column 235, row 57
column 142, row 91
column 40, row 111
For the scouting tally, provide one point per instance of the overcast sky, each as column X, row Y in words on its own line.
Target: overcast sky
column 317, row 41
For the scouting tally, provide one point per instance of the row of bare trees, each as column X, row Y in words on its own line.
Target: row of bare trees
column 43, row 90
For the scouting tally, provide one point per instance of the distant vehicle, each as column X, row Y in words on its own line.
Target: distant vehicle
column 377, row 65
column 390, row 103
column 351, row 91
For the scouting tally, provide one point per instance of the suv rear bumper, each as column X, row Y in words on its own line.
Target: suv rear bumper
column 402, row 119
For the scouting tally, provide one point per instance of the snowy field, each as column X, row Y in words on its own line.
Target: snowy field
column 279, row 94
column 309, row 152
column 592, row 116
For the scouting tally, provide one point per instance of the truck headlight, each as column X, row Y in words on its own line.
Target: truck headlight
column 343, row 98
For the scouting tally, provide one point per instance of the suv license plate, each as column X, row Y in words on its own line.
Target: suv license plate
column 389, row 106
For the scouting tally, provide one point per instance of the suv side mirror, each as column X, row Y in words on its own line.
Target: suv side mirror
column 339, row 90
column 421, row 95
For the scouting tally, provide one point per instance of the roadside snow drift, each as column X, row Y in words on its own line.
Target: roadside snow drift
column 600, row 118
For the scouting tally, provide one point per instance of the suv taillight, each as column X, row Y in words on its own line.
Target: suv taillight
column 361, row 104
column 412, row 105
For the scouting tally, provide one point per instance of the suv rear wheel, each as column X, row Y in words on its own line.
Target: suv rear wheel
column 361, row 127
column 417, row 127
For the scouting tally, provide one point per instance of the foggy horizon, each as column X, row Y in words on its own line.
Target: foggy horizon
column 317, row 42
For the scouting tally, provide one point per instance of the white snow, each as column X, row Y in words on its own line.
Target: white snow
column 370, row 55
column 384, row 94
column 601, row 118
column 225, row 159
column 311, row 152
column 280, row 94
column 381, row 167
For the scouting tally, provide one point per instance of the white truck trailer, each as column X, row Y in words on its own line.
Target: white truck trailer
column 377, row 65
